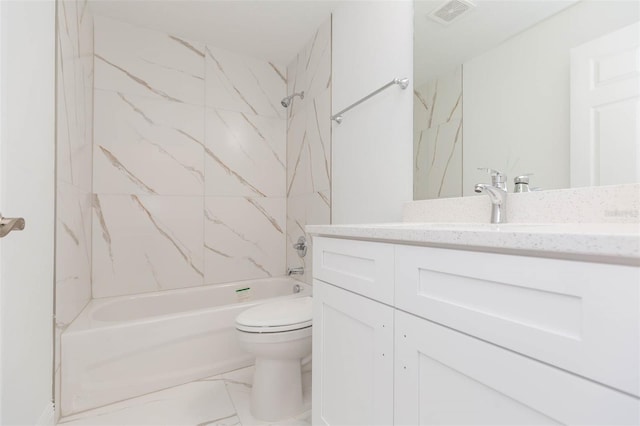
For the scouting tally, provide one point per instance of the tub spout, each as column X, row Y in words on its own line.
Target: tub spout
column 295, row 271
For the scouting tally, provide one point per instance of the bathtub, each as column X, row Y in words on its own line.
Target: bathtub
column 121, row 347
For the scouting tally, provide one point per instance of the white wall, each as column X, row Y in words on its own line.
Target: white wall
column 372, row 149
column 27, row 189
column 516, row 96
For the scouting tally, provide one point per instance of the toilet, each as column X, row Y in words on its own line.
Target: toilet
column 278, row 334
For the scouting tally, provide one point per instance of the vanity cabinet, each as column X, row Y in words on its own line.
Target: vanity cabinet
column 352, row 334
column 476, row 338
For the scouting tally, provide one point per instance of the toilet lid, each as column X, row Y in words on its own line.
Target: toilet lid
column 284, row 315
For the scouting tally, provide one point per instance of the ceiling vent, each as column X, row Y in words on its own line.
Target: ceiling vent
column 451, row 11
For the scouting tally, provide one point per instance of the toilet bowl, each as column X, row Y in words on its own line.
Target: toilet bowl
column 278, row 334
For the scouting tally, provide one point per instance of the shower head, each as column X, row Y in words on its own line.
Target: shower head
column 287, row 101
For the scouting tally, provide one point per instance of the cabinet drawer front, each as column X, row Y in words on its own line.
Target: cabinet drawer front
column 446, row 377
column 352, row 358
column 582, row 317
column 362, row 267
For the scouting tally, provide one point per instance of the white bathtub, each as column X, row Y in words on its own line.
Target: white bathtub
column 121, row 347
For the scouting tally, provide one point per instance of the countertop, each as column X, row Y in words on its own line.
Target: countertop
column 617, row 243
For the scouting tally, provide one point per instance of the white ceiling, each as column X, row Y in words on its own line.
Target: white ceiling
column 276, row 30
column 270, row 29
column 439, row 48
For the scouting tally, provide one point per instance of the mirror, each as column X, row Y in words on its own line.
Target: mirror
column 493, row 88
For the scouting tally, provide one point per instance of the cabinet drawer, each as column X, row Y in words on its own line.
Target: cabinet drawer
column 446, row 377
column 362, row 267
column 582, row 317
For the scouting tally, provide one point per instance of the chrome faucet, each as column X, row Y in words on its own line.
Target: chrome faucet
column 497, row 193
column 295, row 271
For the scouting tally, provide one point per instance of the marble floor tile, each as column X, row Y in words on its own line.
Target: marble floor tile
column 238, row 384
column 196, row 403
column 221, row 400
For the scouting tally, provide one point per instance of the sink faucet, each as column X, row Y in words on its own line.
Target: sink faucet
column 497, row 193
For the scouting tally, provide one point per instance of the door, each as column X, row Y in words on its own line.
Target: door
column 605, row 109
column 27, row 188
column 352, row 358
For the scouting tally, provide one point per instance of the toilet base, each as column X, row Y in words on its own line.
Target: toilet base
column 277, row 389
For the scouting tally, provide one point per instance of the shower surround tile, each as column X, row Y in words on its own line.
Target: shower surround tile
column 438, row 161
column 243, row 84
column 147, row 146
column 245, row 154
column 437, row 146
column 74, row 145
column 74, row 94
column 244, row 238
column 138, row 61
column 309, row 148
column 310, row 70
column 146, row 243
column 303, row 210
column 309, row 145
column 73, row 252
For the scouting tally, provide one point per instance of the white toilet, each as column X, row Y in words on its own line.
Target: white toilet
column 279, row 335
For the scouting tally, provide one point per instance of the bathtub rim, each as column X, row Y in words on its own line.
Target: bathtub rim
column 84, row 322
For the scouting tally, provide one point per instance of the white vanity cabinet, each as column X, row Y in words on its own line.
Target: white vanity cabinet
column 352, row 334
column 478, row 338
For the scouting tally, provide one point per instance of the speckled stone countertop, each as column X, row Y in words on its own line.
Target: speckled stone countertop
column 600, row 242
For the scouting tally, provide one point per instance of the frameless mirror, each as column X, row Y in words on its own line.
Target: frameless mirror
column 525, row 87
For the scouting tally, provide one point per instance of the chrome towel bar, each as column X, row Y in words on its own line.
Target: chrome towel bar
column 402, row 82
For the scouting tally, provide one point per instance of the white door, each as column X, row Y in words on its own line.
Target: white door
column 352, row 358
column 27, row 189
column 605, row 109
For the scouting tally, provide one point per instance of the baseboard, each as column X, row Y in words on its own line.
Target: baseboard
column 47, row 417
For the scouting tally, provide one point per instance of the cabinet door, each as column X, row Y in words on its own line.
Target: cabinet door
column 352, row 358
column 443, row 377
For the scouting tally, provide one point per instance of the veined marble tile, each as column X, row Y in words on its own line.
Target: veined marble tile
column 76, row 26
column 437, row 145
column 298, row 155
column 146, row 243
column 309, row 148
column 147, row 146
column 297, row 81
column 318, row 62
column 438, row 162
column 196, row 403
column 319, row 141
column 73, row 252
column 243, row 84
column 245, row 155
column 244, row 238
column 438, row 101
column 303, row 210
column 296, row 221
column 74, row 103
column 139, row 61
column 239, row 385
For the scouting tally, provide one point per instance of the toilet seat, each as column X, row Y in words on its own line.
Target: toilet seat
column 277, row 317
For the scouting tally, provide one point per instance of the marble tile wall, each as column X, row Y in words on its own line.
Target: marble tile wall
column 74, row 124
column 189, row 163
column 309, row 143
column 437, row 145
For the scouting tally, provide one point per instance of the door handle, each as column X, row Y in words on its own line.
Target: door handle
column 8, row 224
